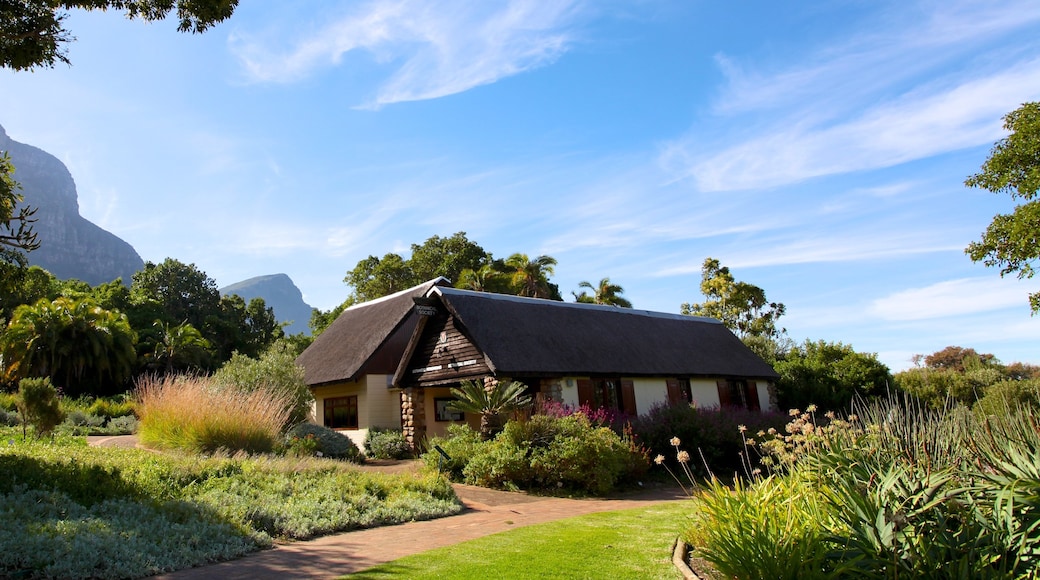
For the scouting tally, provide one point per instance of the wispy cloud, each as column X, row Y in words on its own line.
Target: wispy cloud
column 952, row 298
column 861, row 105
column 434, row 48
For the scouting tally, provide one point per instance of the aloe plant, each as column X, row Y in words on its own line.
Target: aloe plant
column 491, row 400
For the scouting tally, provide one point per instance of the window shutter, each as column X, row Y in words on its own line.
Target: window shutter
column 586, row 395
column 628, row 398
column 725, row 400
column 675, row 392
column 751, row 394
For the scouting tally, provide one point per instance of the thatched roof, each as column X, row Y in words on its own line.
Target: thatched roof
column 528, row 336
column 531, row 336
column 363, row 337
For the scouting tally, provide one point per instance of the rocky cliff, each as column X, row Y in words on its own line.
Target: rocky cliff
column 70, row 246
column 280, row 293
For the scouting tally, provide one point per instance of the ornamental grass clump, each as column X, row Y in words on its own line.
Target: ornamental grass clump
column 190, row 413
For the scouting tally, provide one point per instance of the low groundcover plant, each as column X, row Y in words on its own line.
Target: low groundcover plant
column 73, row 511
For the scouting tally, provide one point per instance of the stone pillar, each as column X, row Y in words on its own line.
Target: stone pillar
column 413, row 415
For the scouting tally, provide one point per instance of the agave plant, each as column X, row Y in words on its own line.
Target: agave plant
column 491, row 400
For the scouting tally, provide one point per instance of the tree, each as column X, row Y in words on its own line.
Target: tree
column 38, row 405
column 377, row 277
column 491, row 400
column 486, row 278
column 954, row 357
column 177, row 349
column 742, row 307
column 446, row 257
column 1013, row 167
column 80, row 346
column 182, row 292
column 16, row 234
column 531, row 277
column 605, row 293
column 829, row 375
column 32, row 32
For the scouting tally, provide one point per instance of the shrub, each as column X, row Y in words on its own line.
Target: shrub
column 189, row 413
column 9, row 401
column 329, row 443
column 111, row 408
column 38, row 405
column 386, row 444
column 902, row 491
column 770, row 530
column 710, row 435
column 9, row 418
column 276, row 370
column 123, row 425
column 548, row 454
column 1005, row 396
column 78, row 418
column 461, row 445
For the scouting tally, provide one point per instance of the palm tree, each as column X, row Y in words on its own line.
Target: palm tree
column 75, row 342
column 483, row 279
column 491, row 400
column 179, row 347
column 531, row 277
column 606, row 293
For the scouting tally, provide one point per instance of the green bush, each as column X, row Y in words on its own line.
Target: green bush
column 770, row 530
column 329, row 443
column 9, row 418
column 461, row 445
column 546, row 454
column 39, row 406
column 78, row 418
column 9, row 401
column 1006, row 396
column 276, row 370
column 110, row 408
column 126, row 425
column 386, row 444
column 75, row 511
column 710, row 435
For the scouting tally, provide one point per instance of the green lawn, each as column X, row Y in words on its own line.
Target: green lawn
column 632, row 543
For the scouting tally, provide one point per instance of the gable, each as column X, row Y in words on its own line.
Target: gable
column 442, row 354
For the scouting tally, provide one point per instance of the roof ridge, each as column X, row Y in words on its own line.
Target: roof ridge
column 447, row 290
column 425, row 285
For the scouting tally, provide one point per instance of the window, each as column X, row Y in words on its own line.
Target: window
column 341, row 412
column 443, row 413
column 739, row 393
column 613, row 394
column 679, row 391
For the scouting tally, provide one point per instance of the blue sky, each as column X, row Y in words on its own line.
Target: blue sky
column 818, row 149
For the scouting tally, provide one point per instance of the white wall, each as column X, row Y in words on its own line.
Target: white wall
column 649, row 391
column 383, row 408
column 705, row 393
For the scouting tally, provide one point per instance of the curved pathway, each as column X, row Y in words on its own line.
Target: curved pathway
column 485, row 512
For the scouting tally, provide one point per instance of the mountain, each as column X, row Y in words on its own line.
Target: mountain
column 279, row 292
column 70, row 245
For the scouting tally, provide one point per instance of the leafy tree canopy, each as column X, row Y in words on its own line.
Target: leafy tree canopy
column 741, row 306
column 1013, row 167
column 456, row 258
column 33, row 34
column 829, row 375
column 16, row 233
